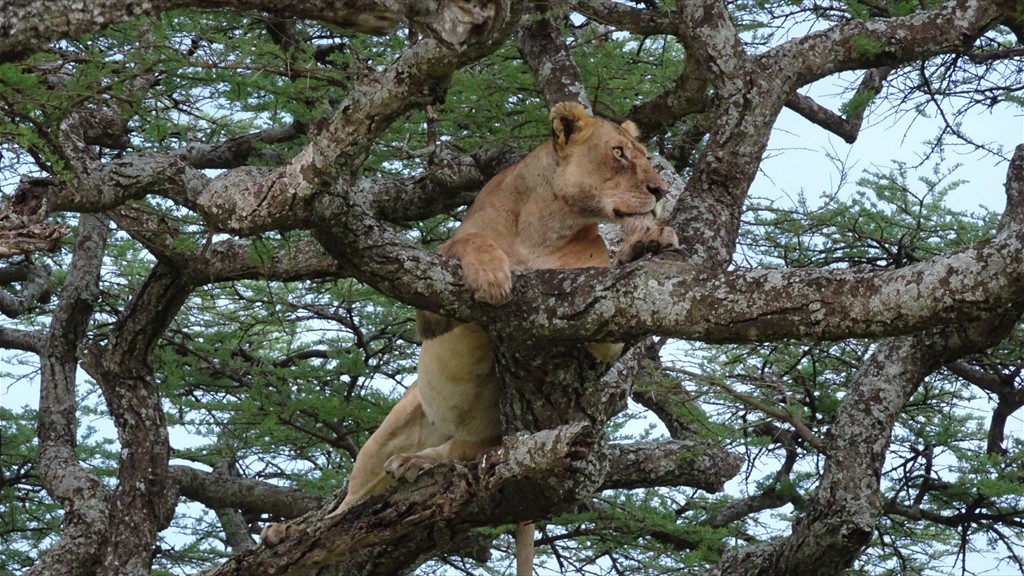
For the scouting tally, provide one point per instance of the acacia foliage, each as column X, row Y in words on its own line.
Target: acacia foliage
column 213, row 235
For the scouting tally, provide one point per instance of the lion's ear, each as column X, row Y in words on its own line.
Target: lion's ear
column 631, row 128
column 569, row 120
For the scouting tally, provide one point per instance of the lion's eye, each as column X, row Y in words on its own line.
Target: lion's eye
column 618, row 152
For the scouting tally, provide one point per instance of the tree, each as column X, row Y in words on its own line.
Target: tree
column 218, row 217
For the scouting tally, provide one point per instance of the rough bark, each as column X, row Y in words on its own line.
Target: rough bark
column 143, row 503
column 81, row 494
column 544, row 50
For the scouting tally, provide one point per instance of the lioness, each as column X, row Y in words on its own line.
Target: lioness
column 542, row 212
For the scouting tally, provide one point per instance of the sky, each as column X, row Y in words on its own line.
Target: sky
column 797, row 157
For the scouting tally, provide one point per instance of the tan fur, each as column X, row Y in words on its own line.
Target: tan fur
column 542, row 212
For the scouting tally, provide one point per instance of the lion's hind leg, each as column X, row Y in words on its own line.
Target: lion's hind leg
column 405, row 429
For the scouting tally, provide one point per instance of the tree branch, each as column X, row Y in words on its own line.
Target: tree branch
column 883, row 42
column 527, row 477
column 24, row 340
column 841, row 517
column 673, row 299
column 848, row 126
column 543, row 48
column 778, row 413
column 339, row 149
column 636, row 20
column 80, row 493
column 34, row 290
column 218, row 491
column 690, row 463
column 28, row 26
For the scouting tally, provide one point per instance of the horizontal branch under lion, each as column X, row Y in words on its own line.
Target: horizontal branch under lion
column 669, row 298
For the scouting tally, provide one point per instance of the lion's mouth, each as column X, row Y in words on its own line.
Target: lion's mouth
column 623, row 215
column 620, row 214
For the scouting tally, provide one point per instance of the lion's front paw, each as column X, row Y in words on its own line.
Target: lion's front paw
column 274, row 534
column 647, row 241
column 407, row 466
column 490, row 281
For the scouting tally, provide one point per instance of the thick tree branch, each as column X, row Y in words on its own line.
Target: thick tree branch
column 674, row 299
column 670, row 463
column 24, row 340
column 689, row 95
column 218, row 491
column 1013, row 214
column 29, row 25
column 883, row 42
column 80, row 493
column 543, row 48
column 34, row 280
column 142, row 504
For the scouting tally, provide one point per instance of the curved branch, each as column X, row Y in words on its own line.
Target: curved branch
column 846, row 127
column 251, row 199
column 35, row 288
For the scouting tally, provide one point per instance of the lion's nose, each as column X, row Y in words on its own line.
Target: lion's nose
column 657, row 191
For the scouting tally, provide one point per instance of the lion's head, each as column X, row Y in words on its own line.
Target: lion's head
column 603, row 171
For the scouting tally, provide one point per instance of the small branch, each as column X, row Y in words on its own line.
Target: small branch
column 236, row 151
column 776, row 412
column 846, row 127
column 34, row 289
column 1005, row 54
column 644, row 22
